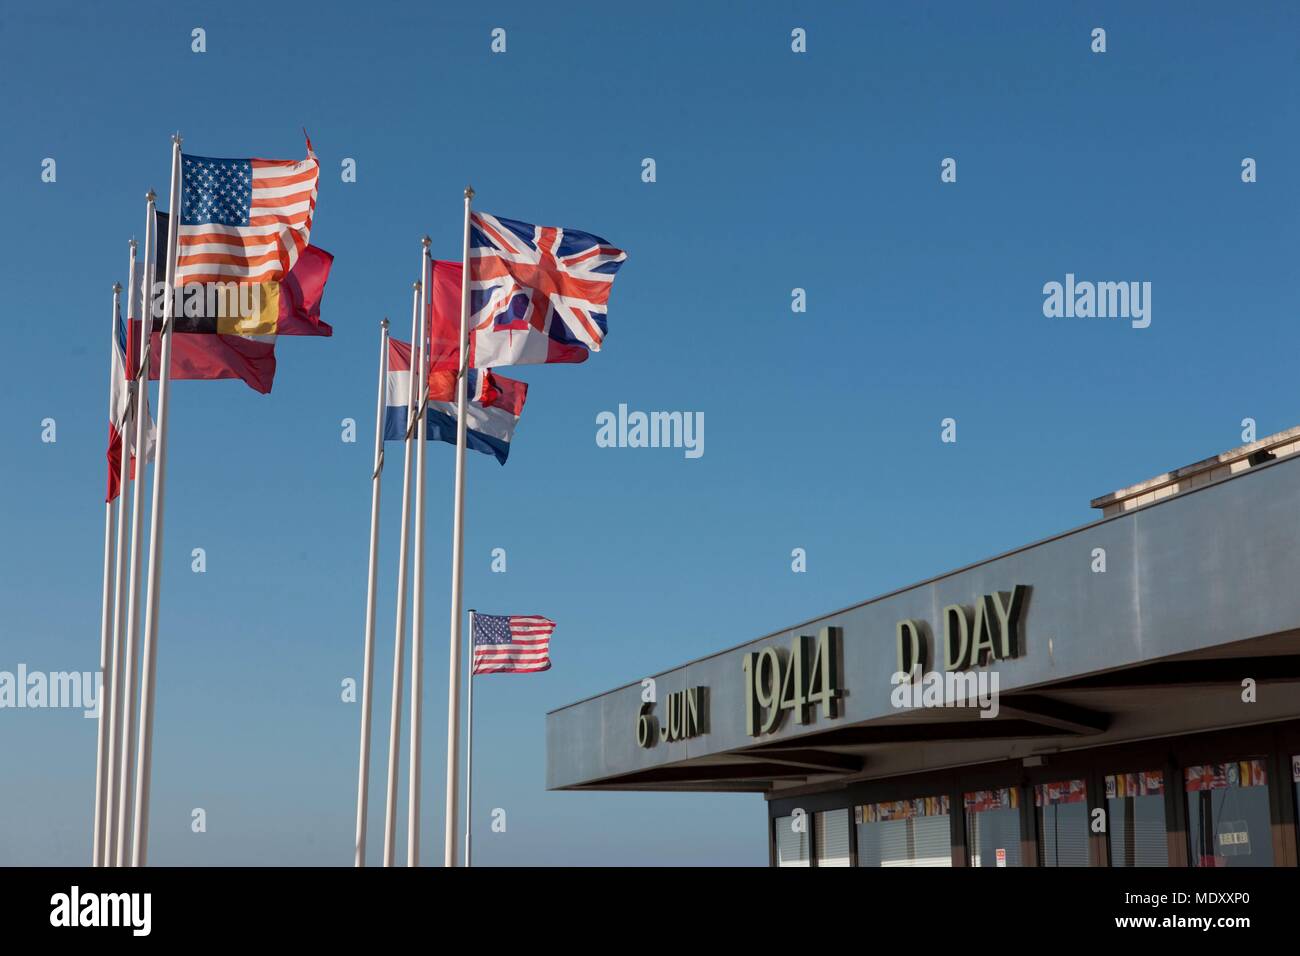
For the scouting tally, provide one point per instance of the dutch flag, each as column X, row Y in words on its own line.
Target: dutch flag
column 493, row 407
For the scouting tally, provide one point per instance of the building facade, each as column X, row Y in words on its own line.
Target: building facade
column 1124, row 694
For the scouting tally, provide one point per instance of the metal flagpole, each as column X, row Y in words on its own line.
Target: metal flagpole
column 149, row 661
column 399, row 641
column 417, row 571
column 105, row 615
column 469, row 740
column 457, row 542
column 113, row 689
column 126, row 710
column 367, row 678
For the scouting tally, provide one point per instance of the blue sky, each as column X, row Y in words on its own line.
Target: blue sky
column 774, row 171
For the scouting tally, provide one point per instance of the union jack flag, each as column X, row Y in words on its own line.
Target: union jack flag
column 538, row 294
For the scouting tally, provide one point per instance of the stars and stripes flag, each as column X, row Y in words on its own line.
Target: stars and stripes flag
column 234, row 337
column 290, row 305
column 244, row 220
column 511, row 643
column 538, row 294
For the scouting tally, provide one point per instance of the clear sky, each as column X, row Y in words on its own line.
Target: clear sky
column 775, row 170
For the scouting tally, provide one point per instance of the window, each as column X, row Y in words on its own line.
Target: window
column 1295, row 780
column 833, row 838
column 904, row 833
column 792, row 840
column 1228, row 814
column 1062, row 813
column 993, row 827
column 1135, row 819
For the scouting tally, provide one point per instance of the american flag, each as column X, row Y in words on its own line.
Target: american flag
column 538, row 293
column 511, row 643
column 243, row 220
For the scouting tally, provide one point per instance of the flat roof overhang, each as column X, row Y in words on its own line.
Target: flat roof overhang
column 1199, row 593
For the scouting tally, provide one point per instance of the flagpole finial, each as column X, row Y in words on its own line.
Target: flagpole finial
column 384, row 324
column 150, row 196
column 469, row 192
column 426, row 242
column 132, row 244
column 176, row 138
column 117, row 287
column 416, row 285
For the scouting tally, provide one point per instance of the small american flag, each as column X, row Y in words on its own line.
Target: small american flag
column 243, row 220
column 511, row 644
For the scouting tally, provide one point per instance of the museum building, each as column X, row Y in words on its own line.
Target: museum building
column 1123, row 694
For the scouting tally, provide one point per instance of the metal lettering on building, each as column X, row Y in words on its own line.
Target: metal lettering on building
column 686, row 714
column 795, row 681
column 970, row 639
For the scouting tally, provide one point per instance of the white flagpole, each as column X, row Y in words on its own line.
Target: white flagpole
column 105, row 617
column 125, row 707
column 457, row 562
column 399, row 641
column 417, row 572
column 113, row 688
column 469, row 741
column 149, row 662
column 367, row 678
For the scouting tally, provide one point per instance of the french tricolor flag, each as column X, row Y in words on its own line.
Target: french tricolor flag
column 493, row 407
column 123, row 371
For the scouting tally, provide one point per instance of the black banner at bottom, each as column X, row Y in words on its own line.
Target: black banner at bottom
column 334, row 905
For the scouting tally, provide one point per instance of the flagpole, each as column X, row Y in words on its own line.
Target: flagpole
column 105, row 616
column 399, row 641
column 149, row 661
column 367, row 678
column 126, row 712
column 457, row 556
column 417, row 572
column 469, row 741
column 113, row 690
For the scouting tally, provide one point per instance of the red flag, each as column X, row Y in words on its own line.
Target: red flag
column 207, row 356
column 115, row 464
column 444, row 316
column 301, row 292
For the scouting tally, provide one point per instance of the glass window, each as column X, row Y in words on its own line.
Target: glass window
column 1228, row 814
column 792, row 840
column 993, row 827
column 1135, row 819
column 904, row 833
column 1062, row 813
column 833, row 837
column 1295, row 780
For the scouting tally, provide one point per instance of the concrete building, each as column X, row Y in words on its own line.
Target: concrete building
column 1125, row 693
